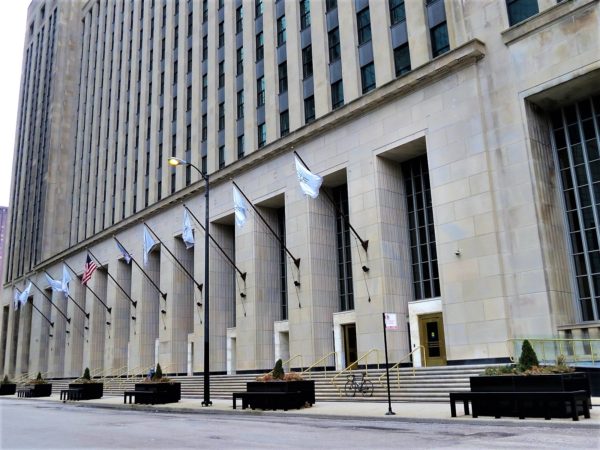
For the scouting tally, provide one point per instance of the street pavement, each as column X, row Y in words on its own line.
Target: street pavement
column 108, row 423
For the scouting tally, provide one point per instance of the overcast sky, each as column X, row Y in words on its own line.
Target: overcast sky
column 13, row 14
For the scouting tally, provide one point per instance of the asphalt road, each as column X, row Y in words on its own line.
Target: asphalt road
column 36, row 425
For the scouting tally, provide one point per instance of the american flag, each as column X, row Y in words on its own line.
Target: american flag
column 88, row 270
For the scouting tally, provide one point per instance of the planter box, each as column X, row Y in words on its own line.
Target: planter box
column 88, row 391
column 40, row 390
column 163, row 392
column 528, row 383
column 305, row 387
column 8, row 389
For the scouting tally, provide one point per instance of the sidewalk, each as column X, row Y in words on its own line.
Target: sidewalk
column 416, row 412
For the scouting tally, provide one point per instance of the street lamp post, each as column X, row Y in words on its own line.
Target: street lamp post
column 177, row 162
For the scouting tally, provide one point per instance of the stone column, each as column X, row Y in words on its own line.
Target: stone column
column 78, row 333
column 59, row 340
column 418, row 33
column 94, row 347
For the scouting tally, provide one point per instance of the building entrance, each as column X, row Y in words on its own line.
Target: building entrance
column 350, row 347
column 431, row 332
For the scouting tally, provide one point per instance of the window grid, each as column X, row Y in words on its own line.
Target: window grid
column 520, row 10
column 333, row 38
column 260, row 92
column 367, row 77
column 284, row 123
column 262, row 135
column 337, row 94
column 307, row 66
column 283, row 78
column 281, row 31
column 344, row 250
column 363, row 23
column 309, row 109
column 402, row 59
column 423, row 250
column 576, row 143
column 397, row 11
column 304, row 14
column 260, row 51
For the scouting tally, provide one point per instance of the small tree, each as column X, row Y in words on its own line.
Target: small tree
column 278, row 372
column 86, row 374
column 158, row 374
column 528, row 358
column 39, row 377
column 5, row 380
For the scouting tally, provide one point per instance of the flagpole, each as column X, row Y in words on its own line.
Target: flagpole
column 41, row 313
column 112, row 278
column 296, row 260
column 363, row 243
column 50, row 300
column 242, row 274
column 198, row 285
column 89, row 289
column 86, row 314
column 162, row 294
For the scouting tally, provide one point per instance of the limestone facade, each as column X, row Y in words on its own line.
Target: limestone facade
column 479, row 113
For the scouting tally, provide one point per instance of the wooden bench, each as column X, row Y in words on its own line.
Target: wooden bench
column 70, row 394
column 518, row 402
column 140, row 397
column 269, row 400
column 24, row 392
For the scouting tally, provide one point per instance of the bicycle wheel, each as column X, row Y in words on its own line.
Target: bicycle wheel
column 349, row 389
column 367, row 388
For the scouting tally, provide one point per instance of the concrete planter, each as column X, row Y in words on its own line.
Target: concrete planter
column 8, row 389
column 88, row 391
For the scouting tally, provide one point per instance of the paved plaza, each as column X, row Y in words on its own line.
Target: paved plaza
column 107, row 423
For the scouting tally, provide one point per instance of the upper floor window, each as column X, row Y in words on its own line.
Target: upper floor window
column 309, row 109
column 239, row 16
column 397, row 12
column 519, row 10
column 284, row 123
column 221, row 34
column 221, row 74
column 281, row 26
column 260, row 91
column 307, row 66
column 260, row 50
column 262, row 135
column 221, row 116
column 333, row 38
column 402, row 59
column 330, row 4
column 304, row 14
column 363, row 22
column 258, row 8
column 239, row 61
column 337, row 94
column 283, row 78
column 367, row 77
column 240, row 104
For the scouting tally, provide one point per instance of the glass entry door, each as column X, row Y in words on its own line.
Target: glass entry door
column 350, row 347
column 431, row 332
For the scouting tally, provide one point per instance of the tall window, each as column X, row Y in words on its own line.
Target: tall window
column 307, row 66
column 240, row 104
column 221, row 116
column 438, row 31
column 367, row 77
column 258, row 8
column 304, row 14
column 344, row 252
column 330, row 4
column 519, row 10
column 576, row 140
column 337, row 94
column 397, row 12
column 402, row 59
column 363, row 23
column 262, row 135
column 221, row 74
column 284, row 123
column 221, row 156
column 283, row 79
column 260, row 91
column 239, row 16
column 426, row 283
column 204, row 86
column 204, row 127
column 309, row 109
column 283, row 294
column 239, row 61
column 281, row 27
column 260, row 42
column 221, row 34
column 333, row 38
column 240, row 146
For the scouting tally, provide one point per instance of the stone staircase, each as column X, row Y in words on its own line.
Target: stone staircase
column 428, row 384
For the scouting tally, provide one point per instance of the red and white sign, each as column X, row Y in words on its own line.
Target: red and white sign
column 391, row 321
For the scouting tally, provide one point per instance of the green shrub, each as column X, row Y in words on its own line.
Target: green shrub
column 86, row 374
column 278, row 372
column 528, row 358
column 158, row 374
column 6, row 380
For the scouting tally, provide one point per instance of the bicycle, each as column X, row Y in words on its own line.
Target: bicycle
column 358, row 383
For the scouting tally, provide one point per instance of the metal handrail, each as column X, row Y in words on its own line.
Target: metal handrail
column 308, row 369
column 355, row 363
column 397, row 365
column 566, row 347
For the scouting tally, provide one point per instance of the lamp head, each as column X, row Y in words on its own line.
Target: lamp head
column 176, row 161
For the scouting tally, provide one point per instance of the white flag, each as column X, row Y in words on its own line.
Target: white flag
column 124, row 252
column 24, row 296
column 149, row 243
column 188, row 232
column 66, row 279
column 239, row 207
column 56, row 285
column 309, row 182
